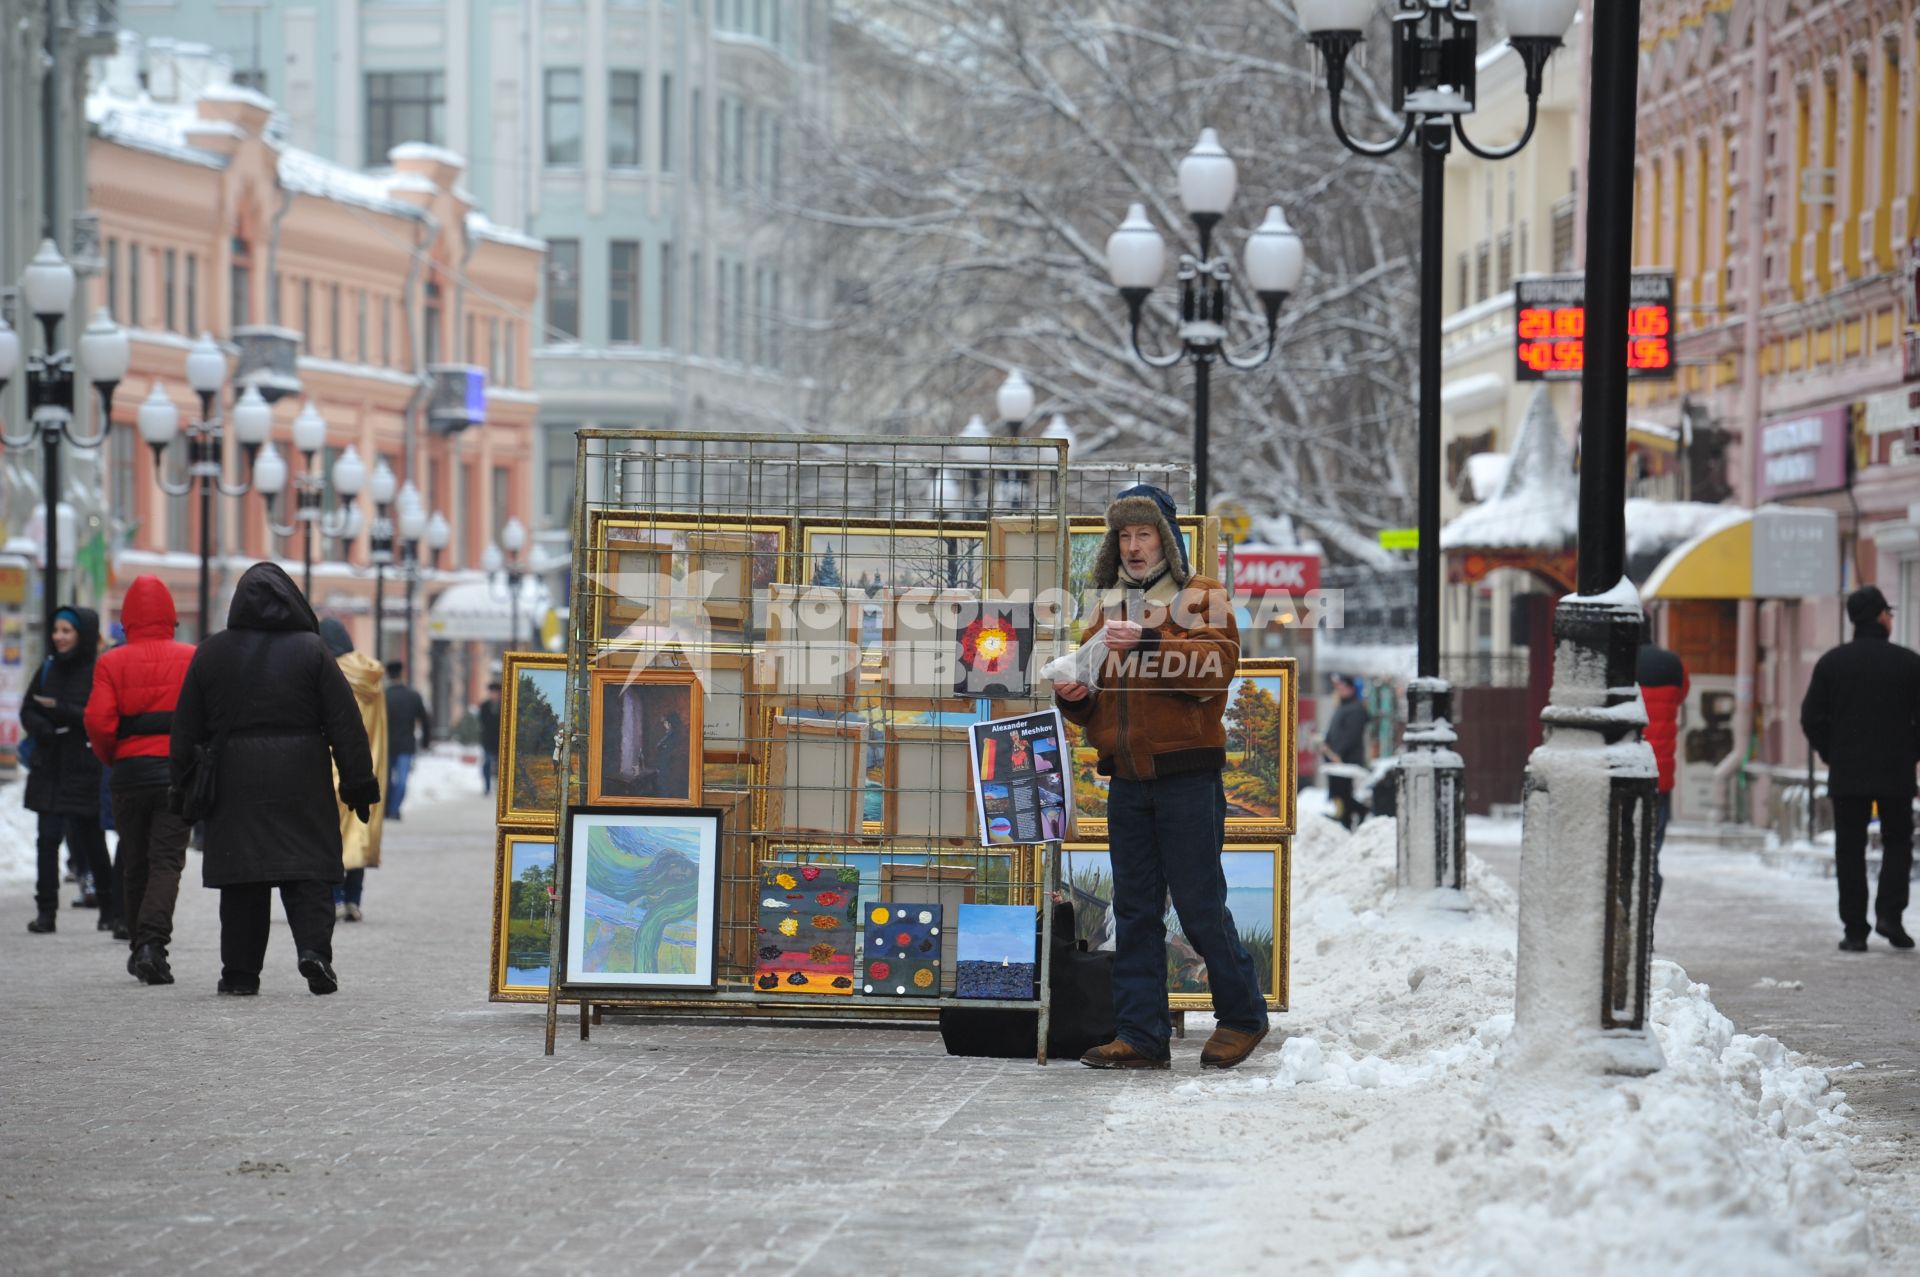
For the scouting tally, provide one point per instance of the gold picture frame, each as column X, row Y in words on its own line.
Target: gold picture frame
column 519, row 794
column 751, row 553
column 919, row 756
column 650, row 700
column 523, row 918
column 1247, row 789
column 812, row 653
column 1085, row 872
column 905, row 553
column 807, row 760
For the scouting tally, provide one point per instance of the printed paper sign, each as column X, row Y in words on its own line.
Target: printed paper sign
column 1022, row 778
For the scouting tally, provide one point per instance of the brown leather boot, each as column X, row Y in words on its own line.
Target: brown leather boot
column 1227, row 1047
column 1123, row 1055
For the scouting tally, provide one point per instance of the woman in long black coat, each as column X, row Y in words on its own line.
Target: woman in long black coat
column 63, row 784
column 274, row 823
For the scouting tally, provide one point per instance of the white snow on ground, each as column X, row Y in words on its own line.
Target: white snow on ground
column 436, row 778
column 1389, row 1139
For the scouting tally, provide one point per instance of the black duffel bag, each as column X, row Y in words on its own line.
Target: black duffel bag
column 1081, row 1016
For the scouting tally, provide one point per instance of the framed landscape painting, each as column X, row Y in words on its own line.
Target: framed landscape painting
column 522, row 954
column 1261, row 772
column 533, row 711
column 1259, row 879
column 642, row 890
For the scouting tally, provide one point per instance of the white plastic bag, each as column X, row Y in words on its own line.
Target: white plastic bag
column 1081, row 665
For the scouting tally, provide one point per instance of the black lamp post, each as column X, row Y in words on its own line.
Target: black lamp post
column 206, row 439
column 310, row 489
column 48, row 284
column 416, row 525
column 1136, row 257
column 504, row 559
column 1435, row 45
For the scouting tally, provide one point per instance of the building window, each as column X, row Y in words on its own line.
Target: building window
column 404, row 106
column 1482, row 271
column 696, row 298
column 564, row 115
column 500, row 510
column 1563, row 211
column 1503, row 278
column 623, row 292
column 170, row 287
column 722, row 127
column 430, row 324
column 306, row 317
column 739, row 145
column 774, row 145
column 740, row 311
column 240, row 284
column 696, row 141
column 722, row 332
column 386, row 332
column 563, row 289
column 113, row 277
column 193, row 294
column 666, row 296
column 334, row 348
column 123, row 447
column 774, row 289
column 557, row 495
column 1462, row 296
column 624, row 118
column 360, row 326
column 493, row 349
column 666, row 123
column 509, row 354
column 134, row 318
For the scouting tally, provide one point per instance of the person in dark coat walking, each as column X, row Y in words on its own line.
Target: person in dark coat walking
column 407, row 722
column 130, row 726
column 1862, row 714
column 1663, row 690
column 270, row 680
column 488, row 712
column 1346, row 742
column 63, row 785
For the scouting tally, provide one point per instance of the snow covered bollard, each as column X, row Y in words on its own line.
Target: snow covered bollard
column 1586, row 853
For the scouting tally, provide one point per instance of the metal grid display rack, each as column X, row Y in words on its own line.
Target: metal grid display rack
column 807, row 597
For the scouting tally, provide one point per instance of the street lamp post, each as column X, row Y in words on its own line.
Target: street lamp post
column 310, row 489
column 382, row 488
column 415, row 525
column 1435, row 47
column 1586, row 925
column 104, row 355
column 513, row 539
column 206, row 459
column 1274, row 262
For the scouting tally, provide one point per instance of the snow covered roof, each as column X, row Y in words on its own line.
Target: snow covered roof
column 236, row 93
column 480, row 226
column 1538, row 502
column 427, row 151
column 305, row 173
column 1486, row 472
column 146, row 125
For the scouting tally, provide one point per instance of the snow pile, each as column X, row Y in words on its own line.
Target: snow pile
column 439, row 778
column 19, row 834
column 1389, row 1136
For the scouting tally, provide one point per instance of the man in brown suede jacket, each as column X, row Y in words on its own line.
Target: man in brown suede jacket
column 1155, row 719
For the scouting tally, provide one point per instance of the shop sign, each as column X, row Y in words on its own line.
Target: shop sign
column 1802, row 454
column 1268, row 572
column 1796, row 553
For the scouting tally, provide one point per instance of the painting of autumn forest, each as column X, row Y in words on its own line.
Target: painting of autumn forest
column 1256, row 729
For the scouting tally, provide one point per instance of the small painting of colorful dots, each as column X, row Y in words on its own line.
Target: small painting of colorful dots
column 902, row 950
column 805, row 939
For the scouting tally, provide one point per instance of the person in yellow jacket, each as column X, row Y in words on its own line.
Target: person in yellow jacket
column 359, row 842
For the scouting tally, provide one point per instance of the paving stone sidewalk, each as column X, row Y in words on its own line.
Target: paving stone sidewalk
column 404, row 1125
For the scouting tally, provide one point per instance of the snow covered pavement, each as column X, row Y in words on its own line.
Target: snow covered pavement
column 1385, row 1136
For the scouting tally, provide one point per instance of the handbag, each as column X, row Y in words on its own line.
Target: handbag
column 1081, row 983
column 196, row 793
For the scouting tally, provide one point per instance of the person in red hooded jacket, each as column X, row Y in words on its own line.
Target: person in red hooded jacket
column 130, row 724
column 1663, row 688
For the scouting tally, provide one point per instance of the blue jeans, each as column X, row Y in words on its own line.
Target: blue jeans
column 397, row 771
column 348, row 892
column 489, row 763
column 1165, row 836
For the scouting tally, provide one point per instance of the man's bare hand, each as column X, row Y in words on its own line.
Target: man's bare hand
column 1122, row 636
column 1071, row 691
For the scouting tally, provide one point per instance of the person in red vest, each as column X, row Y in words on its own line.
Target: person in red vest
column 129, row 723
column 1663, row 689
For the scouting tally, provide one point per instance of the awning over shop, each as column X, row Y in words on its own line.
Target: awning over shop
column 1769, row 553
column 481, row 612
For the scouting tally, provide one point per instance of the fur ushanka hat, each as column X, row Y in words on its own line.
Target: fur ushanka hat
column 1141, row 504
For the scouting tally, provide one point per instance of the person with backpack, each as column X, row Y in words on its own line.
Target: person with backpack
column 63, row 785
column 129, row 723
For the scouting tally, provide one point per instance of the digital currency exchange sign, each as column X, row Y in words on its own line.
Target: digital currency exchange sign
column 1550, row 326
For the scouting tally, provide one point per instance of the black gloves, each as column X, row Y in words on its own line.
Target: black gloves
column 361, row 795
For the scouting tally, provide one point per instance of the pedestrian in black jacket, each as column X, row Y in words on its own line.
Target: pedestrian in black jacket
column 1346, row 742
column 1862, row 713
column 274, row 822
column 63, row 784
column 407, row 722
